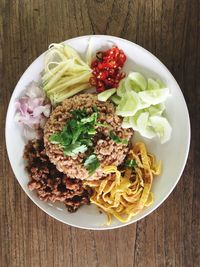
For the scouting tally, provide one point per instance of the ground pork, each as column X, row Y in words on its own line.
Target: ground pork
column 108, row 152
column 50, row 184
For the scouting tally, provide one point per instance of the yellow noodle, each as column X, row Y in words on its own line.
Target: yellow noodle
column 123, row 194
column 149, row 200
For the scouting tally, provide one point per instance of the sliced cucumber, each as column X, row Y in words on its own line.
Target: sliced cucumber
column 140, row 102
column 152, row 84
column 133, row 122
column 121, row 90
column 161, row 84
column 143, row 126
column 156, row 109
column 129, row 105
column 131, row 86
column 154, row 97
column 137, row 82
column 126, row 123
column 106, row 94
column 116, row 99
column 162, row 128
column 144, row 105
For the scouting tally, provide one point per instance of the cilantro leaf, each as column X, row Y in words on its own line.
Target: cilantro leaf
column 95, row 109
column 91, row 163
column 117, row 139
column 130, row 163
column 76, row 136
column 55, row 139
column 79, row 114
column 92, row 118
column 102, row 124
column 74, row 149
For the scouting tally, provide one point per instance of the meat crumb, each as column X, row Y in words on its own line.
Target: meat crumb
column 50, row 184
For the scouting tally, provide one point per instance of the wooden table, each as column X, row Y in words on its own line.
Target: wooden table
column 170, row 236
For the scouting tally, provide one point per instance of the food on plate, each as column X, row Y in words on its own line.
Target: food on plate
column 79, row 147
column 125, row 192
column 50, row 184
column 141, row 103
column 32, row 110
column 104, row 96
column 106, row 69
column 65, row 73
column 106, row 140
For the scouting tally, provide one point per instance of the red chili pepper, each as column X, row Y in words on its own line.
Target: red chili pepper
column 111, row 72
column 109, row 82
column 107, row 69
column 101, row 66
column 100, row 89
column 102, row 75
column 93, row 81
column 94, row 64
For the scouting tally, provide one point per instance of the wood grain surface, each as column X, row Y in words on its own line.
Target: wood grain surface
column 170, row 236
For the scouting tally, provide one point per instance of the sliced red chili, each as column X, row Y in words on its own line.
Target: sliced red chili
column 107, row 69
column 93, row 81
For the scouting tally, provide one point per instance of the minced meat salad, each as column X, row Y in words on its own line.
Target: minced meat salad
column 84, row 130
column 81, row 137
column 49, row 183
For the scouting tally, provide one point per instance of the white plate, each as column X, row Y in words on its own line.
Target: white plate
column 173, row 154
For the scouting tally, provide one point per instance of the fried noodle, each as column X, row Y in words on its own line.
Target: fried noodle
column 124, row 193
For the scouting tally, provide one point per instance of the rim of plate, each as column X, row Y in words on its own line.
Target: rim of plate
column 185, row 156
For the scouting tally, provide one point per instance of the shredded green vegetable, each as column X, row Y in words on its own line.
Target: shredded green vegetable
column 65, row 73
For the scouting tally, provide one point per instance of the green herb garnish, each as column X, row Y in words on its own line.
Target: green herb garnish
column 74, row 149
column 130, row 163
column 76, row 136
column 79, row 114
column 91, row 163
column 117, row 139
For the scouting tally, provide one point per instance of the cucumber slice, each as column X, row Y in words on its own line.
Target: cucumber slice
column 154, row 97
column 161, row 84
column 140, row 102
column 162, row 128
column 116, row 99
column 106, row 94
column 152, row 84
column 144, row 105
column 121, row 90
column 128, row 105
column 133, row 122
column 131, row 86
column 156, row 109
column 126, row 123
column 137, row 82
column 143, row 126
